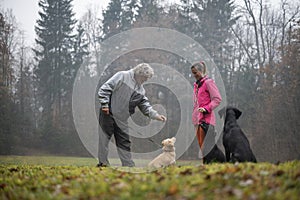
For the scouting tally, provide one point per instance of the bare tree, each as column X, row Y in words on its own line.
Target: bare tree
column 8, row 46
column 289, row 12
column 92, row 25
column 261, row 31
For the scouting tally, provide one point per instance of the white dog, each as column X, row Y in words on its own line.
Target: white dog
column 167, row 157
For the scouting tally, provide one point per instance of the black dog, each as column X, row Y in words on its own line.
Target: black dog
column 215, row 155
column 236, row 144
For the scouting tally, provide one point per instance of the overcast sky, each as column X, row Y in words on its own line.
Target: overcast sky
column 26, row 12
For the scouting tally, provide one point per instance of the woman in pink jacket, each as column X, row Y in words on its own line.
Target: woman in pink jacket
column 206, row 98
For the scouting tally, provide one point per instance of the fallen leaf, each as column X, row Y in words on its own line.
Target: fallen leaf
column 186, row 172
column 173, row 189
column 278, row 173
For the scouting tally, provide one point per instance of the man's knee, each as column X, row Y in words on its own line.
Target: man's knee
column 123, row 144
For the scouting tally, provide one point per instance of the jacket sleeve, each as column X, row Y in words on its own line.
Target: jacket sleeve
column 106, row 90
column 146, row 108
column 214, row 96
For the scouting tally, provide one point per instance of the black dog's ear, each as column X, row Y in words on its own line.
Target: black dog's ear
column 237, row 112
column 222, row 112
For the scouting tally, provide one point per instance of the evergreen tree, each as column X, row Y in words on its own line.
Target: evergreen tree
column 118, row 17
column 6, row 103
column 209, row 23
column 149, row 11
column 215, row 17
column 55, row 67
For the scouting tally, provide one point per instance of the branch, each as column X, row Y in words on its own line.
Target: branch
column 242, row 43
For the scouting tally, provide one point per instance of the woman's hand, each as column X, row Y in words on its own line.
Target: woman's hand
column 201, row 109
column 105, row 110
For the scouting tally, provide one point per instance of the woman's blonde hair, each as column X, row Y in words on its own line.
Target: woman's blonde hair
column 143, row 69
column 200, row 66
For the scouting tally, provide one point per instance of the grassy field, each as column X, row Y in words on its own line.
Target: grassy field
column 78, row 178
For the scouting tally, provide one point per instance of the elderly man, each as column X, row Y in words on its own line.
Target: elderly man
column 118, row 98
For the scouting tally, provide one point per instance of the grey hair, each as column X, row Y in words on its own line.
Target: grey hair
column 143, row 69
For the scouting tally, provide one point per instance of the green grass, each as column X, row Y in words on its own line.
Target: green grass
column 78, row 178
column 47, row 160
column 62, row 160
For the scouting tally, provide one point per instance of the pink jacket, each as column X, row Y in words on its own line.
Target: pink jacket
column 208, row 97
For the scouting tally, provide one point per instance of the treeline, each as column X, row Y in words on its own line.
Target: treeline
column 254, row 45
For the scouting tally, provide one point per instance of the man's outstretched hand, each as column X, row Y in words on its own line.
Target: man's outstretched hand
column 161, row 118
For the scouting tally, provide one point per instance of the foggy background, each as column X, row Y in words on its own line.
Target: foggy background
column 254, row 45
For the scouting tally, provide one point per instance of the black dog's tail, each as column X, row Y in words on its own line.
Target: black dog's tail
column 253, row 159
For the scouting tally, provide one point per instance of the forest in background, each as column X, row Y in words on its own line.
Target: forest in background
column 255, row 47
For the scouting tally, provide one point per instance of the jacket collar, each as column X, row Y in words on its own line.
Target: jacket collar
column 200, row 81
column 131, row 72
